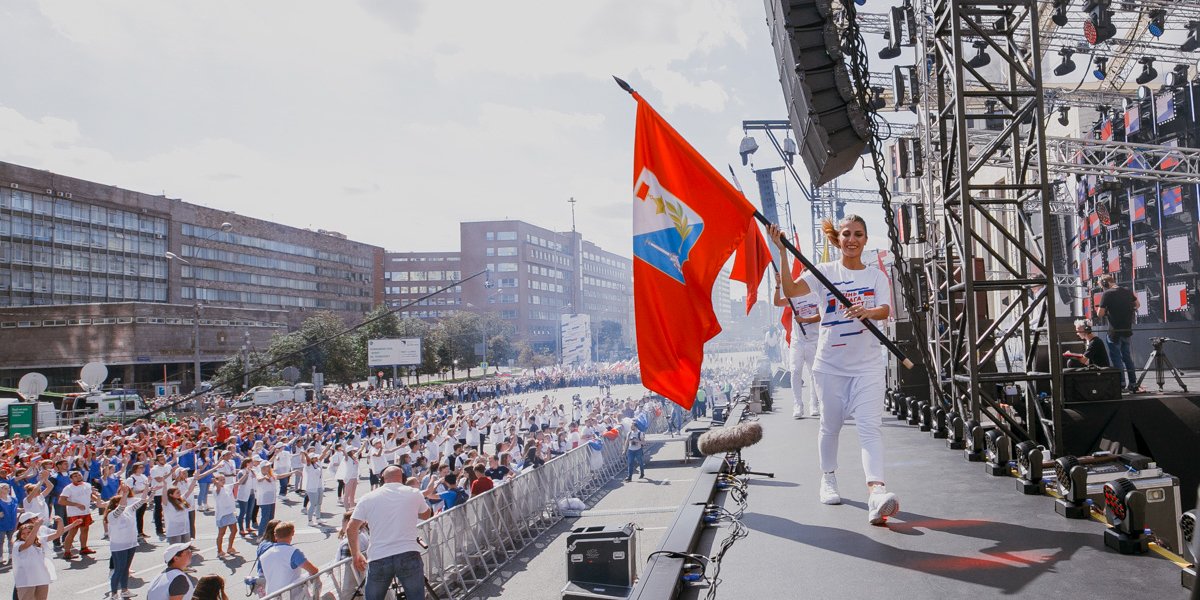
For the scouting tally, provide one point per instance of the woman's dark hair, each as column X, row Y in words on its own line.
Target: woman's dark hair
column 210, row 587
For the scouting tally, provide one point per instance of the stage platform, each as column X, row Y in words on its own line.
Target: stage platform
column 960, row 533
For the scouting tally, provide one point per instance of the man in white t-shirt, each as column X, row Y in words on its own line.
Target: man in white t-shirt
column 392, row 512
column 158, row 481
column 77, row 498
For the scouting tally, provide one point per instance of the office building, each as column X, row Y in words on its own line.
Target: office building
column 73, row 252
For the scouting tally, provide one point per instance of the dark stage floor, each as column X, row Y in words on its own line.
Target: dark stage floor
column 960, row 533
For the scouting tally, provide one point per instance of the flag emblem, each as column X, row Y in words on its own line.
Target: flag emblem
column 665, row 228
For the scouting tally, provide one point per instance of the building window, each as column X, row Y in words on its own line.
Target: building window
column 491, row 251
column 491, row 236
column 506, row 236
column 506, row 267
column 506, row 251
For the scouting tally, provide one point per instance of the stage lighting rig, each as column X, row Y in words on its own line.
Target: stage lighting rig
column 1029, row 467
column 1177, row 78
column 926, row 416
column 1101, row 70
column 1149, row 73
column 956, row 438
column 981, row 58
column 1125, row 508
column 997, row 452
column 1067, row 66
column 1060, row 12
column 914, row 410
column 1098, row 27
column 941, row 424
column 976, row 441
column 1064, row 116
column 1071, row 480
column 1193, row 37
column 893, row 34
column 1158, row 22
column 748, row 146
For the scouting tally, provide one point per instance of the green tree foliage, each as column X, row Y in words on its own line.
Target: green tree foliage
column 608, row 340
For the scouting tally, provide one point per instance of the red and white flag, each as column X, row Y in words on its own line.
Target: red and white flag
column 687, row 220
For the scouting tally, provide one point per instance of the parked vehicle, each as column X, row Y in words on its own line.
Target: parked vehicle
column 112, row 404
column 47, row 415
column 265, row 396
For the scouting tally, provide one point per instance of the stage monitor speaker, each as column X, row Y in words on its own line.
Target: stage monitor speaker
column 603, row 556
column 910, row 223
column 783, row 378
column 830, row 127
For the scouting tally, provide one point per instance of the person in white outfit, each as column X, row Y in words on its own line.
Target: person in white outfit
column 32, row 573
column 802, row 351
column 849, row 367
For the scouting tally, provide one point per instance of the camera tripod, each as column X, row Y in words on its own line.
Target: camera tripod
column 1161, row 363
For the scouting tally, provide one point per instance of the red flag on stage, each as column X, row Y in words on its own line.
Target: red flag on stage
column 786, row 319
column 687, row 220
column 751, row 261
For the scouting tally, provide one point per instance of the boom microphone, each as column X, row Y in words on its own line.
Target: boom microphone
column 729, row 439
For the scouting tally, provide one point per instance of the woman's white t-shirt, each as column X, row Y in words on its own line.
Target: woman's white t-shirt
column 805, row 307
column 845, row 347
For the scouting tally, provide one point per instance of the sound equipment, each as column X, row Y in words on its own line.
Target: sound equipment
column 783, row 378
column 730, row 439
column 692, row 445
column 601, row 561
column 1079, row 483
column 760, row 391
column 1088, row 385
column 830, row 127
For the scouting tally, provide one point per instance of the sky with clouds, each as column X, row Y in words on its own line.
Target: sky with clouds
column 387, row 120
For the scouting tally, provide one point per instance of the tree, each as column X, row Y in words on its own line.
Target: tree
column 608, row 340
column 460, row 332
column 530, row 358
column 335, row 358
column 233, row 370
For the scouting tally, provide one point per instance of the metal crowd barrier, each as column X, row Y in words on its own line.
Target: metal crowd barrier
column 471, row 541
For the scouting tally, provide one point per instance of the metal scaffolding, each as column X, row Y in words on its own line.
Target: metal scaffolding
column 990, row 267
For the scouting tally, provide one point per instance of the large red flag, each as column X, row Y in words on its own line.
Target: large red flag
column 687, row 220
column 750, row 263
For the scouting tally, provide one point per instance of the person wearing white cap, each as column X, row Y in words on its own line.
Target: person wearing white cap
column 32, row 571
column 173, row 583
column 314, row 484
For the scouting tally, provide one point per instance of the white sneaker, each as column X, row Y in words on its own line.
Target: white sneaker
column 816, row 411
column 829, row 492
column 798, row 411
column 881, row 505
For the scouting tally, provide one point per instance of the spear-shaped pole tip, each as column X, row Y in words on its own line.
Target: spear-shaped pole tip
column 623, row 84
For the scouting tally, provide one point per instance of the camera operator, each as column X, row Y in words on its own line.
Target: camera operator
column 1119, row 305
column 392, row 512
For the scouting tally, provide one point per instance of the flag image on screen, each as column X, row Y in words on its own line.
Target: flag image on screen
column 1094, row 224
column 1172, row 200
column 1143, row 303
column 1114, row 260
column 1106, row 130
column 1165, row 108
column 1136, row 161
column 1140, row 260
column 1177, row 300
column 1137, row 207
column 1097, row 263
column 1133, row 120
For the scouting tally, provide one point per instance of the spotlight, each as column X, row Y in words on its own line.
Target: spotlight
column 1125, row 508
column 901, row 408
column 877, row 101
column 1029, row 467
column 1098, row 27
column 1177, row 78
column 1158, row 22
column 1067, row 66
column 1064, row 116
column 1149, row 73
column 926, row 414
column 893, row 34
column 1187, row 526
column 1193, row 37
column 914, row 410
column 941, row 424
column 1071, row 480
column 975, row 441
column 981, row 58
column 997, row 452
column 1060, row 12
column 956, row 436
column 1101, row 70
column 748, row 146
column 789, row 150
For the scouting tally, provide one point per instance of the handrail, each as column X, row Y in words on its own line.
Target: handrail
column 570, row 474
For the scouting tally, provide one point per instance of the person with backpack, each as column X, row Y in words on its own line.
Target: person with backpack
column 635, row 454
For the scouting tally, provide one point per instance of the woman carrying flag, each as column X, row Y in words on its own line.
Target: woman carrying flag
column 848, row 371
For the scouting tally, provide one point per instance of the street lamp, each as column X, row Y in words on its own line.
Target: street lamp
column 224, row 228
column 454, row 369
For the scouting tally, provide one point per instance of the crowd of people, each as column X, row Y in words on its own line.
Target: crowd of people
column 448, row 443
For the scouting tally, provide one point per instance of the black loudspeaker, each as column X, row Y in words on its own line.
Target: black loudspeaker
column 830, row 126
column 601, row 561
column 783, row 378
column 910, row 223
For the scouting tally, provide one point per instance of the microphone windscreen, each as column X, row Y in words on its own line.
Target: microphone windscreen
column 729, row 439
